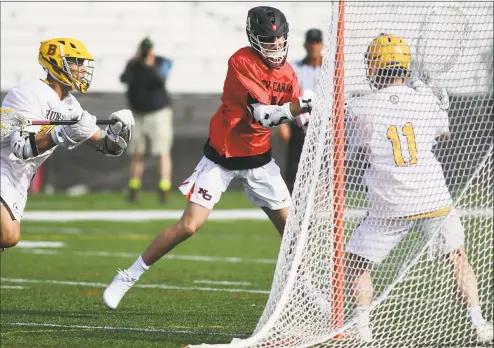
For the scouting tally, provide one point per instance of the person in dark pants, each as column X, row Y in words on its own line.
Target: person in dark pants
column 307, row 71
column 146, row 76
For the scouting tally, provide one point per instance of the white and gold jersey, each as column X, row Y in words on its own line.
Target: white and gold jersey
column 34, row 100
column 398, row 127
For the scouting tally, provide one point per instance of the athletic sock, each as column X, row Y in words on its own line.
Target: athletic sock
column 475, row 315
column 135, row 184
column 165, row 184
column 364, row 317
column 138, row 268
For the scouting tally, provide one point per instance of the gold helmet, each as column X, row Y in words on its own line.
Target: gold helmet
column 387, row 51
column 67, row 61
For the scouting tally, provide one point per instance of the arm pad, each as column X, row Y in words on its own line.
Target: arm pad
column 271, row 115
column 24, row 145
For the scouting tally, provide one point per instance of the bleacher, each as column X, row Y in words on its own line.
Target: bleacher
column 199, row 37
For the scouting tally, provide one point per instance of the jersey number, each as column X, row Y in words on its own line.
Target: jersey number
column 409, row 133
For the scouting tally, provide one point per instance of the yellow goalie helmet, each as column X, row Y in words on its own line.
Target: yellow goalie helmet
column 387, row 51
column 67, row 61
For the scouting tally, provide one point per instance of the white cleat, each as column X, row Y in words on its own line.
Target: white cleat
column 485, row 332
column 122, row 282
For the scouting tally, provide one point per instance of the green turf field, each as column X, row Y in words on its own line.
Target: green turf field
column 214, row 289
column 209, row 289
column 117, row 201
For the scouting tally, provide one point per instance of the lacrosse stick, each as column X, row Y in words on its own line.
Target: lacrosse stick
column 442, row 38
column 11, row 122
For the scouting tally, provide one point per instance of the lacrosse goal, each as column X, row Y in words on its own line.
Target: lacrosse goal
column 414, row 302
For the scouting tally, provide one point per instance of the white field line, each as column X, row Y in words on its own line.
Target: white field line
column 39, row 244
column 139, row 215
column 214, row 282
column 216, row 215
column 61, row 229
column 41, row 251
column 144, row 286
column 12, row 287
column 169, row 257
column 135, row 329
column 181, row 257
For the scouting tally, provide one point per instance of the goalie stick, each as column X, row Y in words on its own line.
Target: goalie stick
column 432, row 43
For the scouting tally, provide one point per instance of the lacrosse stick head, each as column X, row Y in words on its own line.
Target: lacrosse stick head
column 442, row 39
column 10, row 122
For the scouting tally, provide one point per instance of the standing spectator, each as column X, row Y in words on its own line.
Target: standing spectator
column 307, row 71
column 146, row 76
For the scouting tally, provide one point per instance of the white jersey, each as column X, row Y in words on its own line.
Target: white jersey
column 34, row 100
column 398, row 128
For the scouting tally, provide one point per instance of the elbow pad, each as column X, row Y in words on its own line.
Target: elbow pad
column 270, row 115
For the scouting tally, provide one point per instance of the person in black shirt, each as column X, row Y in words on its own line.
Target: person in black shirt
column 146, row 76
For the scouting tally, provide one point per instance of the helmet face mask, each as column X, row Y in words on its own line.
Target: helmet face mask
column 80, row 72
column 267, row 31
column 68, row 62
column 387, row 57
column 273, row 49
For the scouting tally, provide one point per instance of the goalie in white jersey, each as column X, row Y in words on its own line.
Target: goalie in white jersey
column 396, row 127
column 69, row 67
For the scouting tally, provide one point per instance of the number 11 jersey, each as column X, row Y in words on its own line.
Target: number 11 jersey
column 398, row 128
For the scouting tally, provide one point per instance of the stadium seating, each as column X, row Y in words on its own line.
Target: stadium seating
column 199, row 37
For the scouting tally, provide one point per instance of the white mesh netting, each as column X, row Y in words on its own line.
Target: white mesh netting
column 415, row 298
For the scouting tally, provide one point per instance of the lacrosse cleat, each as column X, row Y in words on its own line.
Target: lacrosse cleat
column 484, row 331
column 122, row 282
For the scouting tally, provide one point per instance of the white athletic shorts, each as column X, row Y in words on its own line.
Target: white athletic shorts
column 375, row 237
column 264, row 186
column 13, row 198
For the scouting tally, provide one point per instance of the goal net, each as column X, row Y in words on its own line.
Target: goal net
column 416, row 298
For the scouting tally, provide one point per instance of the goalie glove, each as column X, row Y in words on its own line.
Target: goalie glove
column 443, row 98
column 71, row 136
column 440, row 93
column 418, row 85
column 120, row 132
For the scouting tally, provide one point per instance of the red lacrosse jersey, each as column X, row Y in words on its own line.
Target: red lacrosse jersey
column 232, row 130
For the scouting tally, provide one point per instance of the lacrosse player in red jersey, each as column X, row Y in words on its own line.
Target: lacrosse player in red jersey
column 261, row 91
column 69, row 67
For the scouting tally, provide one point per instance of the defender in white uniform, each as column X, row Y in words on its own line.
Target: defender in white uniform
column 396, row 127
column 69, row 67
